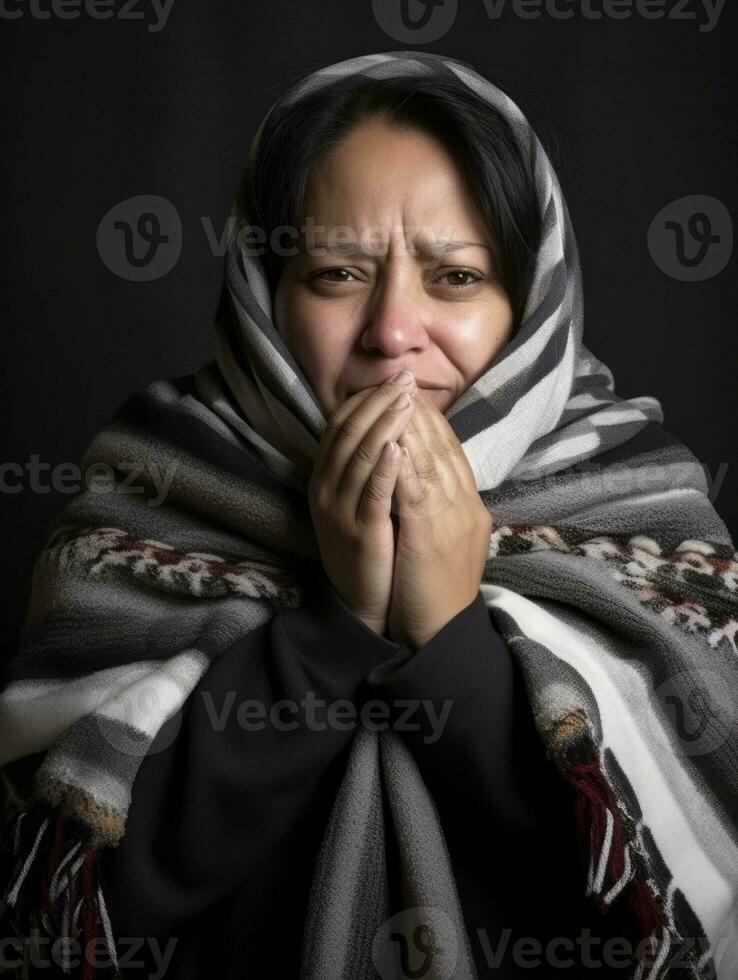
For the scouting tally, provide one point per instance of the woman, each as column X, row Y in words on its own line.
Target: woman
column 312, row 713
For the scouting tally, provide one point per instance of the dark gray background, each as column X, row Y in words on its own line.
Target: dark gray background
column 635, row 114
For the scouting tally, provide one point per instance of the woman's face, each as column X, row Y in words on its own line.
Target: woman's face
column 394, row 270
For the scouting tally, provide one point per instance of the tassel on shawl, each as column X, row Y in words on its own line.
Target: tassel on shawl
column 52, row 889
column 615, row 863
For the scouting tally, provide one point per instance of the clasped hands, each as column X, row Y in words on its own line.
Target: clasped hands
column 402, row 531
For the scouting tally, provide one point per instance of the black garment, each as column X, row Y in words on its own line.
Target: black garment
column 226, row 820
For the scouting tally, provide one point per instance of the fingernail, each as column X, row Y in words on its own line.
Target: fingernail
column 401, row 378
column 402, row 401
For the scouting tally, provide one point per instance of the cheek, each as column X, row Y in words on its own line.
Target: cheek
column 325, row 335
column 321, row 341
column 474, row 341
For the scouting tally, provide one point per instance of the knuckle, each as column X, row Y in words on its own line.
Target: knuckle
column 320, row 500
column 354, row 542
column 375, row 490
column 425, row 466
column 350, row 427
column 362, row 457
column 334, row 420
column 323, row 503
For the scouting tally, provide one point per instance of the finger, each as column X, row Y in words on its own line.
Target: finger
column 376, row 500
column 421, row 442
column 456, row 457
column 348, row 427
column 437, row 444
column 333, row 425
column 452, row 453
column 410, row 492
column 363, row 460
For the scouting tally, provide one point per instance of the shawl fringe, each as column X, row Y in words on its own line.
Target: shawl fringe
column 617, row 865
column 53, row 889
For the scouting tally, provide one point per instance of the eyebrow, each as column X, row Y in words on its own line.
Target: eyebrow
column 431, row 249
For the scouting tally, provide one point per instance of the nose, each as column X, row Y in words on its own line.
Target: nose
column 396, row 323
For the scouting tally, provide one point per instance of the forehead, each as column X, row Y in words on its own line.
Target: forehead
column 383, row 184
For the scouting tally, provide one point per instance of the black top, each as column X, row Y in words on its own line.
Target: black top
column 229, row 807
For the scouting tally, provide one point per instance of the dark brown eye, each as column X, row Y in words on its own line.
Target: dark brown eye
column 465, row 274
column 321, row 275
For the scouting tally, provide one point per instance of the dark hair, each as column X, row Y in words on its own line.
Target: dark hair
column 497, row 173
